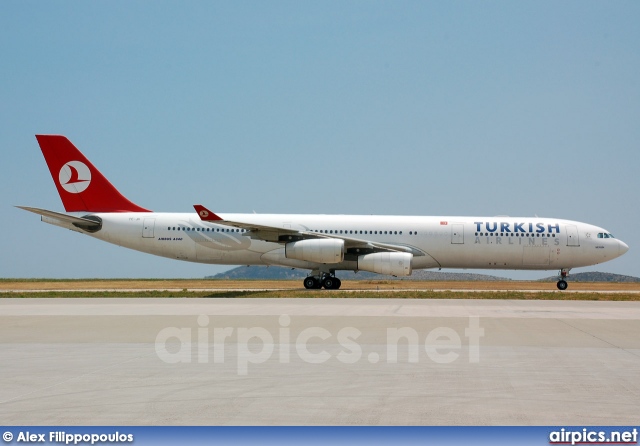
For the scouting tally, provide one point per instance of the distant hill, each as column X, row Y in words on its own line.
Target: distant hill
column 261, row 272
column 281, row 273
column 595, row 277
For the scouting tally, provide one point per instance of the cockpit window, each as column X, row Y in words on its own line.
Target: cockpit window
column 605, row 235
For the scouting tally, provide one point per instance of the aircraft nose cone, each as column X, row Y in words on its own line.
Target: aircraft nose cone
column 622, row 247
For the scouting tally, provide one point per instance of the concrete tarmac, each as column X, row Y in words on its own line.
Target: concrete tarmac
column 318, row 361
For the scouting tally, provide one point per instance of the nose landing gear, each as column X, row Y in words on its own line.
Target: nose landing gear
column 562, row 283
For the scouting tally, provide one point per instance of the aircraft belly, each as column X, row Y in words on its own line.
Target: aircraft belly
column 278, row 257
column 493, row 255
column 424, row 262
column 205, row 252
column 536, row 255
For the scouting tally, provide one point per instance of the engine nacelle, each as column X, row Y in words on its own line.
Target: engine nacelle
column 392, row 263
column 316, row 250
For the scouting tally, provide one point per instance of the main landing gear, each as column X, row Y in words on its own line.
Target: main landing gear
column 326, row 281
column 562, row 283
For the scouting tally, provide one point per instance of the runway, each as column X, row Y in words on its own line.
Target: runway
column 343, row 291
column 318, row 361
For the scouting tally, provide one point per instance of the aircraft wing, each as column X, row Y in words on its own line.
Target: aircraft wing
column 285, row 235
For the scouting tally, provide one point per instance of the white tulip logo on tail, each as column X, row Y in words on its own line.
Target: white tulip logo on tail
column 75, row 177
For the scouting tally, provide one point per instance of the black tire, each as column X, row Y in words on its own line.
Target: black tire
column 310, row 283
column 338, row 284
column 329, row 283
column 562, row 285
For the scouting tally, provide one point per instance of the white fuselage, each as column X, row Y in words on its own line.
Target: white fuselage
column 437, row 242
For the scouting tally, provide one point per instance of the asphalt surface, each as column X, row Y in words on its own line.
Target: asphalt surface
column 318, row 361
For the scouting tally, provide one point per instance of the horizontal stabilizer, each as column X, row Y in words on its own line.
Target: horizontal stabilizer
column 77, row 221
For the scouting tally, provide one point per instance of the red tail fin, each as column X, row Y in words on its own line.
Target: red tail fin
column 81, row 186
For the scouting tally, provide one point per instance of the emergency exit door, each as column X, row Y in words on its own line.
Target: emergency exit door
column 148, row 226
column 457, row 234
column 572, row 236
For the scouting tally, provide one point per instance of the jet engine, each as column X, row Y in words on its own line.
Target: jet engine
column 392, row 263
column 316, row 250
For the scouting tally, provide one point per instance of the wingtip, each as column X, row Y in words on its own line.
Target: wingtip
column 205, row 214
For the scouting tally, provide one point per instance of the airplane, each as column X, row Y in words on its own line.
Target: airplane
column 322, row 244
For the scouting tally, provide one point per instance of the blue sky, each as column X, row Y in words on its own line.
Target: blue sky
column 416, row 108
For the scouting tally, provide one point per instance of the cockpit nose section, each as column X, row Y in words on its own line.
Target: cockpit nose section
column 622, row 247
column 611, row 245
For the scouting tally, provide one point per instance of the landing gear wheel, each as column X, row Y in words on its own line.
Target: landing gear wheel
column 311, row 283
column 338, row 284
column 562, row 285
column 329, row 283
